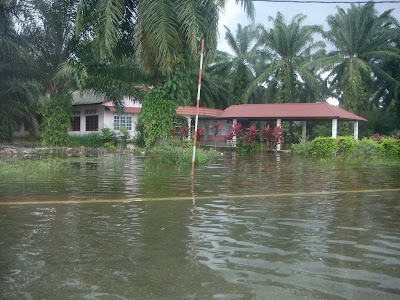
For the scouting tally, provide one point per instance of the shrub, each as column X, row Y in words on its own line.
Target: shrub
column 301, row 148
column 367, row 147
column 57, row 120
column 108, row 136
column 87, row 140
column 125, row 135
column 109, row 146
column 324, row 146
column 181, row 156
column 156, row 116
column 390, row 146
column 346, row 145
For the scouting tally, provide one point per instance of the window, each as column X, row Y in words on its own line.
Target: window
column 92, row 123
column 122, row 122
column 76, row 123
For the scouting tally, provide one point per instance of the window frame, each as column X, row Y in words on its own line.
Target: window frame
column 92, row 123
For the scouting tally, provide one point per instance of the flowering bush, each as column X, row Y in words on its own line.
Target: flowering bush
column 180, row 133
column 273, row 136
column 250, row 136
column 200, row 134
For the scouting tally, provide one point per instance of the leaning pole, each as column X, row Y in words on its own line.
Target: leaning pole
column 197, row 107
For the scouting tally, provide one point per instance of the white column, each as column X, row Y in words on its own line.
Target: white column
column 356, row 130
column 334, row 128
column 234, row 138
column 189, row 120
column 304, row 132
column 279, row 123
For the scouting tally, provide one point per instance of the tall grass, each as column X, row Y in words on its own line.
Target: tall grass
column 32, row 169
column 92, row 140
column 183, row 156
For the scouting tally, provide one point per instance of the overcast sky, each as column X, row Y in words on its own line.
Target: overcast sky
column 316, row 14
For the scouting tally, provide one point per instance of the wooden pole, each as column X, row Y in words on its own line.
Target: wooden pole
column 197, row 107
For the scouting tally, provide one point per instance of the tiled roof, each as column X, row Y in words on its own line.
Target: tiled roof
column 289, row 111
column 86, row 98
column 126, row 109
column 203, row 111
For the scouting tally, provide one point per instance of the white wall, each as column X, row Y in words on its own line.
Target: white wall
column 106, row 119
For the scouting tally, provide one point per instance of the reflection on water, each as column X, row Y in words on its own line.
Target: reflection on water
column 214, row 246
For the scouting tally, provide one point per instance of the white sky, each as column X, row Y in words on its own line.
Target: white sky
column 316, row 15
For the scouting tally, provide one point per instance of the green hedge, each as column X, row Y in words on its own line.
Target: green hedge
column 367, row 147
column 346, row 145
column 324, row 146
column 390, row 146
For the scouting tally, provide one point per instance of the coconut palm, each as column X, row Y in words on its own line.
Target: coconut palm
column 363, row 41
column 49, row 28
column 164, row 30
column 291, row 46
column 239, row 68
column 18, row 87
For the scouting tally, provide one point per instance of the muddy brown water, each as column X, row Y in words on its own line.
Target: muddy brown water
column 269, row 226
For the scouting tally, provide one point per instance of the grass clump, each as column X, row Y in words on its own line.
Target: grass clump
column 32, row 169
column 91, row 140
column 183, row 156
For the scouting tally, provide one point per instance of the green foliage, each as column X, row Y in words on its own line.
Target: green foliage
column 367, row 148
column 380, row 120
column 324, row 146
column 183, row 156
column 287, row 76
column 56, row 120
column 108, row 136
column 177, row 88
column 301, row 148
column 32, row 170
column 345, row 145
column 319, row 129
column 92, row 140
column 156, row 115
column 243, row 147
column 390, row 146
column 362, row 40
column 109, row 146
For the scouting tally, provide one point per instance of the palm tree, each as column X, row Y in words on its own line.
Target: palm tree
column 363, row 41
column 18, row 87
column 239, row 67
column 49, row 29
column 164, row 30
column 286, row 76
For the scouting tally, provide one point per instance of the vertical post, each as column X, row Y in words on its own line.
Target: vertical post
column 234, row 137
column 279, row 123
column 189, row 119
column 304, row 132
column 334, row 128
column 197, row 107
column 356, row 130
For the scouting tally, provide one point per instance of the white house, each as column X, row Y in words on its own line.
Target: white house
column 91, row 114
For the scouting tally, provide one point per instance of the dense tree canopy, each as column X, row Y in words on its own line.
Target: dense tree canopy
column 54, row 47
column 290, row 45
column 363, row 42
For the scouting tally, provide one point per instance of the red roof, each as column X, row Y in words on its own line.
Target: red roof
column 203, row 111
column 289, row 111
column 126, row 109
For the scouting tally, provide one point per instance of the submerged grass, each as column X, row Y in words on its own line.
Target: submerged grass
column 183, row 156
column 32, row 169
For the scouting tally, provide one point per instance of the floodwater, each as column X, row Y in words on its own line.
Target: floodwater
column 269, row 226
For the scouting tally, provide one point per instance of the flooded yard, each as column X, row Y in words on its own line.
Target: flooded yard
column 270, row 226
